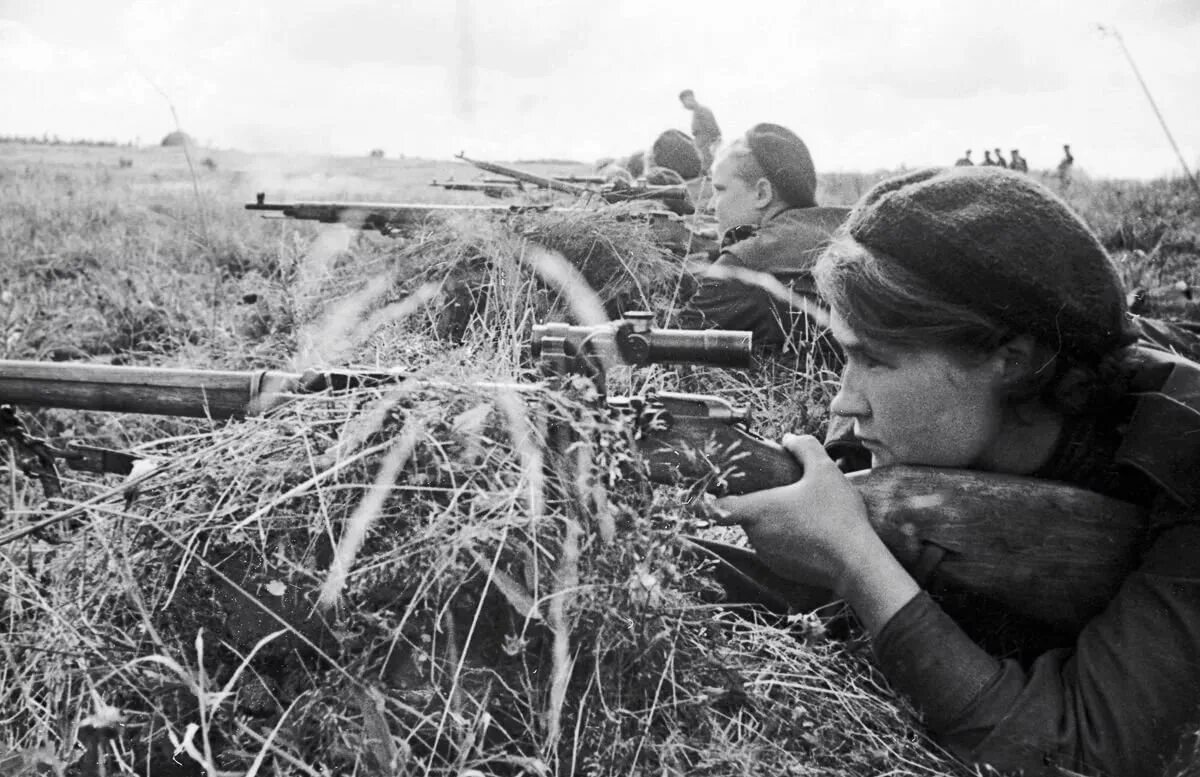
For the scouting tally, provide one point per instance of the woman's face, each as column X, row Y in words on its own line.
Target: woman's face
column 736, row 201
column 919, row 405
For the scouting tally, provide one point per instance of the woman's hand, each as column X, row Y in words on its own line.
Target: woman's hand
column 806, row 531
column 816, row 531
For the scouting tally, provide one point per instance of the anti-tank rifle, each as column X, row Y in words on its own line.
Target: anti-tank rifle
column 980, row 532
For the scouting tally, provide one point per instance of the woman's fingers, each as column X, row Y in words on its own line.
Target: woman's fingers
column 807, row 449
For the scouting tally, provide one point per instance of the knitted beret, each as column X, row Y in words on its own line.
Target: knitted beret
column 1003, row 245
column 786, row 163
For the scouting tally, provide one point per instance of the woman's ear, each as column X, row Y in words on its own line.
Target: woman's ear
column 764, row 192
column 1018, row 360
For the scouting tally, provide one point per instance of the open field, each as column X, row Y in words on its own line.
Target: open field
column 485, row 607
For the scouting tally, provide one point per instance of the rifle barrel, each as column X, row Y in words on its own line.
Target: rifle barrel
column 597, row 179
column 533, row 178
column 215, row 394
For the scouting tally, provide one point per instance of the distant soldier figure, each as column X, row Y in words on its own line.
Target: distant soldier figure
column 705, row 132
column 1000, row 160
column 1064, row 167
column 966, row 160
column 987, row 159
column 1018, row 163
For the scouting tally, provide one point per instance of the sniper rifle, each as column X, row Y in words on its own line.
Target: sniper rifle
column 987, row 531
column 392, row 219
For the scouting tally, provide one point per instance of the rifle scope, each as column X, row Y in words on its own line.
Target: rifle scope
column 635, row 343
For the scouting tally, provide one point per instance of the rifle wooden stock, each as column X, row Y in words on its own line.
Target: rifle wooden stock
column 1048, row 550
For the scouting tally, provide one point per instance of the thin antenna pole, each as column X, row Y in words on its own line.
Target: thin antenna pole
column 187, row 155
column 1146, row 90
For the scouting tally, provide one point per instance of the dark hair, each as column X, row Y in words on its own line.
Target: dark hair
column 686, row 93
column 746, row 166
column 880, row 299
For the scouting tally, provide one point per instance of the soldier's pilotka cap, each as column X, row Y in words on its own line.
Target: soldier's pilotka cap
column 1003, row 245
column 785, row 162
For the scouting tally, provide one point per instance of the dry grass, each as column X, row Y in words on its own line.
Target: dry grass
column 399, row 580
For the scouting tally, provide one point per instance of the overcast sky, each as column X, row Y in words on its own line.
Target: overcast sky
column 868, row 85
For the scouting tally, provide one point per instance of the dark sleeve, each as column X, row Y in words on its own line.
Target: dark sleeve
column 704, row 123
column 726, row 303
column 1115, row 704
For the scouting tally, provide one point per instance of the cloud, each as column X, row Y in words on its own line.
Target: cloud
column 528, row 38
column 1177, row 13
column 867, row 84
column 21, row 50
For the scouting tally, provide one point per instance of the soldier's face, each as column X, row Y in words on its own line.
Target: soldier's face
column 927, row 406
column 735, row 200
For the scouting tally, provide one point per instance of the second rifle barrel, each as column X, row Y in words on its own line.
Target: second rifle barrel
column 214, row 394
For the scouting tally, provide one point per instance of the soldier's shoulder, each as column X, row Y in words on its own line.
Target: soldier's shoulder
column 807, row 224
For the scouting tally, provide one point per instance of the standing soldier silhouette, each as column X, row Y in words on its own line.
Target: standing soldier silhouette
column 987, row 159
column 1064, row 167
column 705, row 132
column 1000, row 159
column 1018, row 163
column 966, row 160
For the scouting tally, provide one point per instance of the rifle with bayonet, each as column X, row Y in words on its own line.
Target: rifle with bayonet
column 675, row 197
column 524, row 176
column 986, row 531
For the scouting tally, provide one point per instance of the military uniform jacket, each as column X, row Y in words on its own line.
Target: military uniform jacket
column 1116, row 698
column 748, row 286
